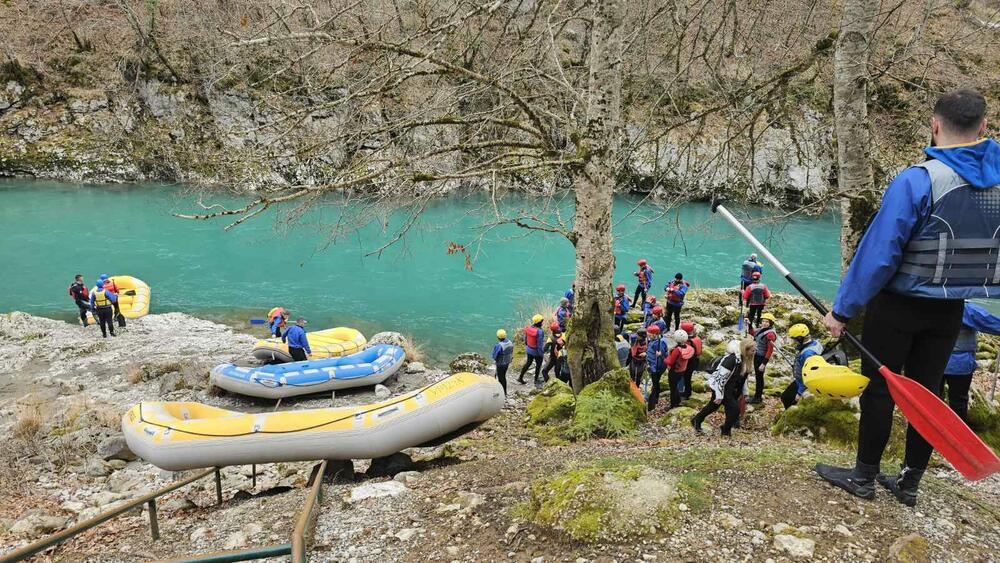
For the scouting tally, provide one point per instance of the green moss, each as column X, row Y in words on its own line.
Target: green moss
column 606, row 409
column 554, row 404
column 827, row 420
column 984, row 419
column 611, row 500
column 680, row 415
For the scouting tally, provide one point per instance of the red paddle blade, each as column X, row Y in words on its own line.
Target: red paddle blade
column 941, row 427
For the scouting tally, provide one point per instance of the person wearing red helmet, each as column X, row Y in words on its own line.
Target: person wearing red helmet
column 555, row 346
column 637, row 356
column 647, row 308
column 695, row 342
column 756, row 295
column 656, row 318
column 675, row 291
column 645, row 275
column 622, row 305
column 657, row 352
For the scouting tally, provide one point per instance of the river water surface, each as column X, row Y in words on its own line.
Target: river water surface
column 52, row 231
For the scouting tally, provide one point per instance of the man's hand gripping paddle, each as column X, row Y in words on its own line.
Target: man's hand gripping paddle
column 935, row 420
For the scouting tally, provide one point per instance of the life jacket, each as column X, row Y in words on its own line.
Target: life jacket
column 672, row 294
column 111, row 286
column 531, row 334
column 756, row 294
column 645, row 277
column 273, row 313
column 954, row 253
column 84, row 294
column 747, row 269
column 812, row 345
column 506, row 355
column 620, row 305
column 684, row 353
column 638, row 347
column 695, row 343
column 762, row 340
column 101, row 298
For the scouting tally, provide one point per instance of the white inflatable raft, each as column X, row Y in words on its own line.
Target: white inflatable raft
column 177, row 436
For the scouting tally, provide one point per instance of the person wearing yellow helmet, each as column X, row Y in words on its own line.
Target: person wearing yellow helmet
column 534, row 347
column 806, row 346
column 503, row 355
column 765, row 336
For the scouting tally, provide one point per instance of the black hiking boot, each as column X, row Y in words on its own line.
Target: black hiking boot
column 755, row 400
column 904, row 485
column 697, row 426
column 859, row 481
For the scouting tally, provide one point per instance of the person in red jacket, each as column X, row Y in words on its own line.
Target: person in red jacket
column 677, row 363
column 756, row 295
column 765, row 337
column 695, row 342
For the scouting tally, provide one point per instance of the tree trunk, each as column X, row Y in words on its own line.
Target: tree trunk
column 590, row 345
column 850, row 107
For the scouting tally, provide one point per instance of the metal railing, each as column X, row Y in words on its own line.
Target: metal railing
column 296, row 547
column 150, row 499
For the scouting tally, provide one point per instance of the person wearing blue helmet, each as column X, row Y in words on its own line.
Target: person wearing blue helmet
column 102, row 303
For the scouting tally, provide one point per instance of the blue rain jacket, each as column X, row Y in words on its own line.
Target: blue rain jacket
column 295, row 336
column 963, row 357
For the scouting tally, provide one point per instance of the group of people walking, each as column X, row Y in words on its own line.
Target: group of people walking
column 101, row 301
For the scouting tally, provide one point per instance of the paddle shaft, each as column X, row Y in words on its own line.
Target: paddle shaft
column 721, row 210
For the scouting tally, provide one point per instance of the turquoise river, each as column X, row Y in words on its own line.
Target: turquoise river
column 52, row 231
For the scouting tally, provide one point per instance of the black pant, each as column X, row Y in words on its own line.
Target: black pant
column 958, row 393
column 913, row 337
column 502, row 376
column 693, row 364
column 759, row 365
column 788, row 395
column 639, row 290
column 636, row 368
column 119, row 316
column 556, row 363
column 754, row 315
column 620, row 323
column 675, row 312
column 654, row 390
column 84, row 307
column 105, row 318
column 297, row 354
column 731, row 400
column 674, row 379
column 538, row 367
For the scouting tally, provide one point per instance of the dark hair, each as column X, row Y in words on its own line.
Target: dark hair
column 962, row 111
column 678, row 276
column 78, row 276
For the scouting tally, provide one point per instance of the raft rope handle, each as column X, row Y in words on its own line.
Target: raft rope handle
column 304, row 429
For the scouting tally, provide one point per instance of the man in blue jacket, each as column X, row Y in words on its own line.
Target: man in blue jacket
column 298, row 343
column 102, row 303
column 962, row 363
column 932, row 244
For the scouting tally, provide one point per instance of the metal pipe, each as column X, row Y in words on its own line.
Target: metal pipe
column 154, row 526
column 305, row 516
column 59, row 537
column 717, row 208
column 253, row 475
column 239, row 555
column 218, row 485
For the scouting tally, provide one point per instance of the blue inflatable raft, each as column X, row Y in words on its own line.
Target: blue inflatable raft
column 368, row 367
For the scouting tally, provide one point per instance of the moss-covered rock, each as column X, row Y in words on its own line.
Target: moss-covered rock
column 606, row 409
column 826, row 420
column 984, row 418
column 612, row 502
column 553, row 405
column 680, row 416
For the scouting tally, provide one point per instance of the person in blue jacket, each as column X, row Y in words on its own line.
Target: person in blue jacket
column 569, row 295
column 563, row 313
column 622, row 305
column 750, row 265
column 503, row 355
column 962, row 363
column 645, row 275
column 102, row 303
column 298, row 342
column 805, row 348
column 675, row 292
column 656, row 361
column 647, row 309
column 278, row 322
column 656, row 319
column 932, row 244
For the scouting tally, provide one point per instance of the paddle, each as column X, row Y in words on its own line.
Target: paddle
column 932, row 418
column 739, row 323
column 258, row 321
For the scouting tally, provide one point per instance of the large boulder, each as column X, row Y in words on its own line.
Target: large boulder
column 607, row 409
column 553, row 405
column 36, row 525
column 390, row 465
column 470, row 362
column 823, row 419
column 392, row 338
column 912, row 548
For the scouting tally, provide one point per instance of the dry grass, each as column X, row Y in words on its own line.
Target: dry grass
column 137, row 373
column 134, row 374
column 102, row 414
column 31, row 415
column 414, row 352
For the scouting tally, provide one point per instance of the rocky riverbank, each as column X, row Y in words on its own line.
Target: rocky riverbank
column 499, row 493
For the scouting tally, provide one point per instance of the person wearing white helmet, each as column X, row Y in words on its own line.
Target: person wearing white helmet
column 677, row 363
column 726, row 382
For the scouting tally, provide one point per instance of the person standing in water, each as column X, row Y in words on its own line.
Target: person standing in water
column 298, row 342
column 81, row 297
column 503, row 355
column 931, row 245
column 645, row 275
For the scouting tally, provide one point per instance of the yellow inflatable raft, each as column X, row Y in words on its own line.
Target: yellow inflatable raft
column 329, row 343
column 177, row 436
column 134, row 296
